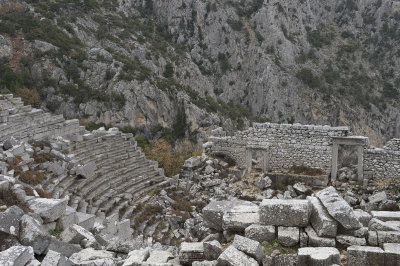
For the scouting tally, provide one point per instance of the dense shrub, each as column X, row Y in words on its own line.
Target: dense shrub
column 306, row 75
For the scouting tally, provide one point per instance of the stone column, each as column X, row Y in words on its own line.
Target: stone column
column 265, row 161
column 360, row 163
column 248, row 160
column 335, row 152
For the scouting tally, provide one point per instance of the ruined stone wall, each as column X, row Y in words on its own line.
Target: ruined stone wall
column 286, row 145
column 383, row 163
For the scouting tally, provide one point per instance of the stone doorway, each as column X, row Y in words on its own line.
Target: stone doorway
column 360, row 143
column 259, row 154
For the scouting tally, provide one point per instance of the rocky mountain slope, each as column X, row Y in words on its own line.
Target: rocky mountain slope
column 144, row 62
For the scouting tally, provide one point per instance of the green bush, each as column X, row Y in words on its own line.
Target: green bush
column 169, row 70
column 319, row 37
column 236, row 25
column 306, row 75
column 223, row 62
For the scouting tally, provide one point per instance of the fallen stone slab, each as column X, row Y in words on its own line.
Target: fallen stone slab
column 351, row 240
column 365, row 255
column 124, row 230
column 377, row 197
column 159, row 256
column 284, row 212
column 372, row 238
column 338, row 208
column 288, row 236
column 260, row 233
column 9, row 221
column 49, row 209
column 388, row 237
column 89, row 255
column 378, row 225
column 319, row 256
column 76, row 234
column 16, row 256
column 86, row 220
column 33, row 234
column 64, row 248
column 323, row 224
column 386, row 215
column 190, row 252
column 212, row 250
column 214, row 211
column 55, row 259
column 205, row 263
column 69, row 218
column 233, row 257
column 87, row 170
column 135, row 257
column 317, row 241
column 239, row 217
column 392, row 254
column 362, row 232
column 363, row 216
column 250, row 247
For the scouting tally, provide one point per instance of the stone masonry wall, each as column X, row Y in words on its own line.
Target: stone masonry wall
column 383, row 163
column 285, row 145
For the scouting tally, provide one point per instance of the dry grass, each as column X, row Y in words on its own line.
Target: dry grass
column 42, row 157
column 383, row 183
column 169, row 158
column 31, row 177
column 8, row 198
column 146, row 213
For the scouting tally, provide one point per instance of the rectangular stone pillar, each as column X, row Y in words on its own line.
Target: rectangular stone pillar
column 360, row 163
column 335, row 152
column 248, row 160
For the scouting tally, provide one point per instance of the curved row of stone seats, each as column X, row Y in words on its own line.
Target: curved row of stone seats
column 121, row 173
column 26, row 123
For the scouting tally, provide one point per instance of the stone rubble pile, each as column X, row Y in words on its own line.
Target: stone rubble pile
column 318, row 225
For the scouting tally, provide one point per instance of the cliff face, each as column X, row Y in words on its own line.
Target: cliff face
column 134, row 62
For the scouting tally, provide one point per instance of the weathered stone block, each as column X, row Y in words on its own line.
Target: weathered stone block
column 392, row 254
column 239, row 217
column 135, row 257
column 320, row 256
column 364, row 255
column 388, row 237
column 260, row 233
column 55, row 259
column 323, row 224
column 338, row 208
column 49, row 209
column 351, row 240
column 288, row 236
column 250, row 247
column 189, row 252
column 16, row 256
column 214, row 211
column 316, row 241
column 33, row 234
column 386, row 215
column 212, row 250
column 233, row 257
column 69, row 218
column 284, row 212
